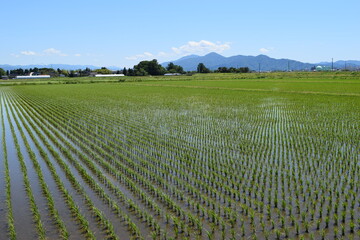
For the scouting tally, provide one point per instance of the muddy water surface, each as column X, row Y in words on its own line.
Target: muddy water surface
column 3, row 210
column 40, row 199
column 24, row 224
column 65, row 214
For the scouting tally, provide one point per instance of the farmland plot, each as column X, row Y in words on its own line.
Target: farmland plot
column 189, row 161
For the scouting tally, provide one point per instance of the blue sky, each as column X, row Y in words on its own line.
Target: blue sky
column 123, row 32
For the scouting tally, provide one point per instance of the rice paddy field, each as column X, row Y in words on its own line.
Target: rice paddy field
column 198, row 157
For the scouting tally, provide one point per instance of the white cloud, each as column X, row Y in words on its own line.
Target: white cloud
column 77, row 55
column 266, row 50
column 46, row 52
column 53, row 51
column 192, row 47
column 201, row 47
column 145, row 55
column 15, row 55
column 135, row 57
column 162, row 54
column 28, row 53
column 148, row 54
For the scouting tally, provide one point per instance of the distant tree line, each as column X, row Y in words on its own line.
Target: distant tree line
column 143, row 68
column 152, row 67
column 36, row 71
column 55, row 73
column 201, row 68
column 232, row 70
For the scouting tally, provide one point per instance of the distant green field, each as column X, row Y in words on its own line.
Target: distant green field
column 273, row 76
column 283, row 85
column 209, row 156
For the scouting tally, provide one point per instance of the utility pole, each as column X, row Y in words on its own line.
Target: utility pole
column 259, row 67
column 288, row 66
column 332, row 64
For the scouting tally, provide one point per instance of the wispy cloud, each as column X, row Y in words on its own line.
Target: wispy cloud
column 201, row 47
column 15, row 55
column 191, row 47
column 145, row 55
column 53, row 51
column 266, row 50
column 46, row 52
column 28, row 53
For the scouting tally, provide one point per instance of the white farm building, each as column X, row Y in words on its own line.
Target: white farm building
column 31, row 76
column 109, row 75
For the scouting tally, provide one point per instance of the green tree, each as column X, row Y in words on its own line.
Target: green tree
column 2, row 72
column 72, row 73
column 141, row 72
column 130, row 72
column 125, row 71
column 202, row 69
column 172, row 68
column 244, row 69
column 222, row 70
column 149, row 68
column 103, row 70
column 64, row 72
column 47, row 71
column 233, row 70
column 19, row 72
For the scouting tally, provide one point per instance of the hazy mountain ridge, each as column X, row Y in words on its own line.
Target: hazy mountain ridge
column 213, row 61
column 261, row 62
column 342, row 64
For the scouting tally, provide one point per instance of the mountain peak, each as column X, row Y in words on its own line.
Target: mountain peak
column 262, row 56
column 188, row 57
column 213, row 54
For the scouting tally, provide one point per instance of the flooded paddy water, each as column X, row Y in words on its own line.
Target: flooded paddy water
column 3, row 219
column 186, row 164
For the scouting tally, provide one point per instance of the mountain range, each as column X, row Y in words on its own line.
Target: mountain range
column 214, row 60
column 261, row 62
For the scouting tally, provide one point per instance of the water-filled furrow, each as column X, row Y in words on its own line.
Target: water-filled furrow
column 23, row 221
column 92, row 195
column 77, row 196
column 60, row 205
column 35, row 184
column 3, row 207
column 163, row 216
column 124, row 127
column 181, row 204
